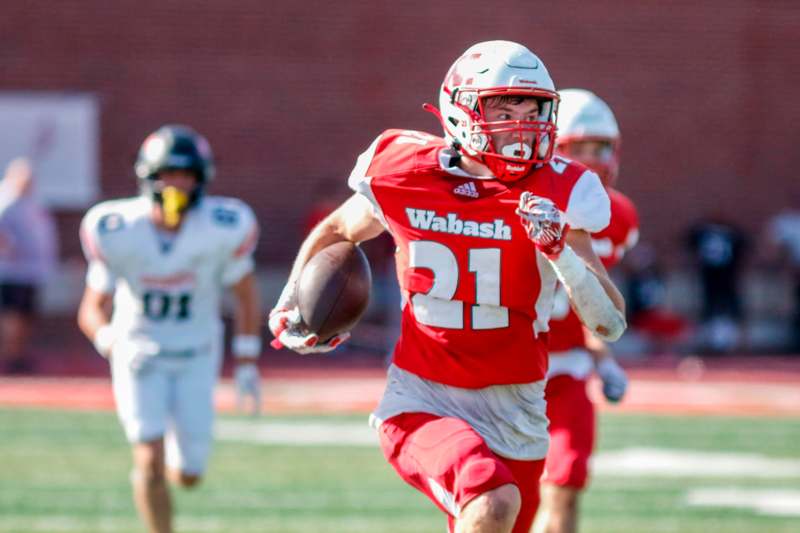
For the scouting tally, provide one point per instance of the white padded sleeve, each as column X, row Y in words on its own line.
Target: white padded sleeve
column 589, row 207
column 358, row 180
column 360, row 183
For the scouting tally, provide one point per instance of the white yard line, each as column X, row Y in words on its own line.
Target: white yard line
column 628, row 462
column 773, row 502
column 659, row 462
column 298, row 434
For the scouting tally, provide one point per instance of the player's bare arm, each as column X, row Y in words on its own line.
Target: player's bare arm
column 352, row 221
column 94, row 314
column 246, row 343
column 247, row 313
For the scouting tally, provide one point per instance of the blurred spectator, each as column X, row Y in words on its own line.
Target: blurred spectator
column 28, row 251
column 784, row 235
column 652, row 326
column 717, row 247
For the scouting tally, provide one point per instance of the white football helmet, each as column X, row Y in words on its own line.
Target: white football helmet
column 498, row 68
column 583, row 116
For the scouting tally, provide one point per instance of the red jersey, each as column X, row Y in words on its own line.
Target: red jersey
column 477, row 294
column 610, row 244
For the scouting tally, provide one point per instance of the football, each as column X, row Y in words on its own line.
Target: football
column 333, row 290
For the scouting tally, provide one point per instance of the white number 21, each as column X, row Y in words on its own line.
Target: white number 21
column 437, row 307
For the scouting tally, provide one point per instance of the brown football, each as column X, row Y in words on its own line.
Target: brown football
column 333, row 290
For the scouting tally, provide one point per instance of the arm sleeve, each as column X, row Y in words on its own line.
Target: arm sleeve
column 589, row 207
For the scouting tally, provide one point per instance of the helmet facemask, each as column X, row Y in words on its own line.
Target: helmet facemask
column 533, row 145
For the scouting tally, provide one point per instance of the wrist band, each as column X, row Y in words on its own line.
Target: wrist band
column 104, row 339
column 246, row 346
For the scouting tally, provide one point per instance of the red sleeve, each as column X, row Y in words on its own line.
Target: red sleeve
column 392, row 152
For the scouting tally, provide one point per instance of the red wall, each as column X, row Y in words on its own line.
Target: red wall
column 705, row 92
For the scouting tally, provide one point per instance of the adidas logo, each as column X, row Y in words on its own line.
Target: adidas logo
column 467, row 189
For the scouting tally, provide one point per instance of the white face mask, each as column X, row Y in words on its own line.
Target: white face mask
column 518, row 150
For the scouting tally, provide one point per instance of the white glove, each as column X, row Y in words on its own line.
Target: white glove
column 248, row 384
column 615, row 382
column 542, row 221
column 285, row 325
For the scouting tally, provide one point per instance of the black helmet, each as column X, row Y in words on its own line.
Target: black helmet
column 174, row 147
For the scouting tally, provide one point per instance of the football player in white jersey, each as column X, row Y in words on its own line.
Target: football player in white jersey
column 158, row 265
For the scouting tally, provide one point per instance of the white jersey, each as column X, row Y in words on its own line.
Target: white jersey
column 168, row 289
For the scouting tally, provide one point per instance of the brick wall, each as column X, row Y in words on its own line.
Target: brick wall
column 290, row 93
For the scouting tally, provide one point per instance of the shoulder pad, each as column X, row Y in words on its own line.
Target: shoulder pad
column 589, row 207
column 237, row 220
column 103, row 222
column 227, row 212
column 395, row 151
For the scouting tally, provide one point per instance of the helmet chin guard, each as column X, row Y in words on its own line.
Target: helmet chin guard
column 495, row 69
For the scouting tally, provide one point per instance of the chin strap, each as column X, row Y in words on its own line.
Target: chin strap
column 432, row 109
column 500, row 169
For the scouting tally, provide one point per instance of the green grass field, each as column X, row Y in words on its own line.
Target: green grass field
column 64, row 471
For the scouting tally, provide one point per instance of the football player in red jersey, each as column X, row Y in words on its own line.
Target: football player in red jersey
column 485, row 221
column 587, row 133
